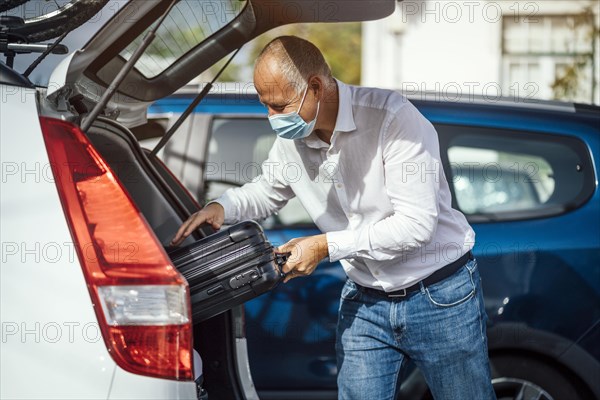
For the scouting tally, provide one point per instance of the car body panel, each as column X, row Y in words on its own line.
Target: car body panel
column 39, row 262
column 128, row 386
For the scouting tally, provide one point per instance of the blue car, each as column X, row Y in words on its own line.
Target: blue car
column 524, row 174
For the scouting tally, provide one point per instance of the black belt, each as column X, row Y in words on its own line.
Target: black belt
column 436, row 277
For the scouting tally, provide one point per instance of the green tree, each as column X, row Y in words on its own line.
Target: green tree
column 340, row 44
column 567, row 82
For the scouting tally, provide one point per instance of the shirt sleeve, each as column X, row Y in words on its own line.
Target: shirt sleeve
column 412, row 168
column 258, row 199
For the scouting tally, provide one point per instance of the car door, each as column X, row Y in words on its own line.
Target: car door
column 525, row 186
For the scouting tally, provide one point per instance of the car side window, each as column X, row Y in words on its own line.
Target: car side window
column 504, row 175
column 236, row 150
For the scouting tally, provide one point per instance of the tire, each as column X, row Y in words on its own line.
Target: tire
column 513, row 374
column 6, row 5
column 66, row 18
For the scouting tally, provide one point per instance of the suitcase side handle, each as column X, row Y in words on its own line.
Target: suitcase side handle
column 280, row 260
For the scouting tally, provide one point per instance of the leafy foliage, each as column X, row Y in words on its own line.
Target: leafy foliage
column 340, row 44
column 566, row 85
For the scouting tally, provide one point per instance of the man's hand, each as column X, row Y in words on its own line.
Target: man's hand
column 306, row 253
column 212, row 214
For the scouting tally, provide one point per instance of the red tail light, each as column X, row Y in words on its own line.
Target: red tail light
column 140, row 300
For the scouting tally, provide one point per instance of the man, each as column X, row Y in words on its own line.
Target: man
column 371, row 179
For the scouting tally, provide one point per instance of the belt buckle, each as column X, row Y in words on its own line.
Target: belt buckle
column 403, row 294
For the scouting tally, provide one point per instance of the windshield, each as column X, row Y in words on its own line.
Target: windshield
column 188, row 23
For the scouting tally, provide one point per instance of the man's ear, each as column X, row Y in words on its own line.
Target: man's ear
column 316, row 85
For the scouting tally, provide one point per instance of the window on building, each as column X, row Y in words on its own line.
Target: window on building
column 548, row 57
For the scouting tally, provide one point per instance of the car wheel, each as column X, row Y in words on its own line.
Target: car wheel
column 518, row 377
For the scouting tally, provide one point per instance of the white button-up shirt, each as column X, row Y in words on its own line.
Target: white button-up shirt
column 378, row 191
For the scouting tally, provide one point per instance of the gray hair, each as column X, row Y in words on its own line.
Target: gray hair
column 298, row 59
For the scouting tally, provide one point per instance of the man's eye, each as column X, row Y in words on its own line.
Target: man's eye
column 278, row 108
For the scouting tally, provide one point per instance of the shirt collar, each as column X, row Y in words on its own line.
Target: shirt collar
column 345, row 118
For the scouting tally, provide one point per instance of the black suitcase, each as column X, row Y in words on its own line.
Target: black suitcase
column 228, row 268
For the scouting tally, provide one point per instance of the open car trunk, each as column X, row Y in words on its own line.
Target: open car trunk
column 165, row 204
column 193, row 37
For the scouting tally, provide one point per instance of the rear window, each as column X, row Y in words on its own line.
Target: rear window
column 507, row 175
column 189, row 23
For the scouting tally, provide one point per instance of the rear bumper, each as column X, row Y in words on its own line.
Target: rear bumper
column 128, row 386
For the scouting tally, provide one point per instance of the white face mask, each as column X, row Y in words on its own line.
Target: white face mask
column 291, row 125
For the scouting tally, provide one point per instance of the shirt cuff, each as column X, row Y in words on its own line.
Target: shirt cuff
column 230, row 209
column 340, row 244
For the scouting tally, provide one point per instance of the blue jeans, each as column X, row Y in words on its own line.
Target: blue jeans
column 441, row 328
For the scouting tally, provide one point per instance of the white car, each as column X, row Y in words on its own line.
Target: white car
column 91, row 305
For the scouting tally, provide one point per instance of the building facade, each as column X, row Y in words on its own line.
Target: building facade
column 544, row 49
